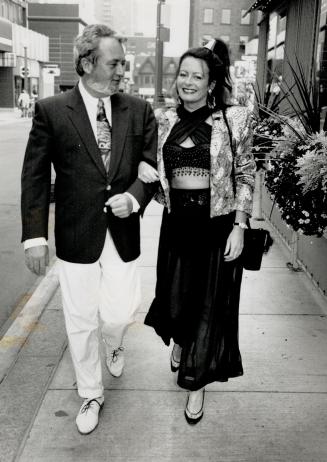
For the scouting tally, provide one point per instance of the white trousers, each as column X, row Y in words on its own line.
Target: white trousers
column 109, row 289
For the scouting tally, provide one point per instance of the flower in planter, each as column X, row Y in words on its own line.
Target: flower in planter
column 312, row 166
column 297, row 181
column 265, row 133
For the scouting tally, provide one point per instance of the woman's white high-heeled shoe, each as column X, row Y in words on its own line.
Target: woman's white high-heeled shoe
column 193, row 418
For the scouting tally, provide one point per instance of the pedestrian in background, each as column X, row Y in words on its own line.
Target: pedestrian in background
column 24, row 103
column 206, row 187
column 95, row 137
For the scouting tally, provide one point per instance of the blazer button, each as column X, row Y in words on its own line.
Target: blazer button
column 108, row 187
column 105, row 209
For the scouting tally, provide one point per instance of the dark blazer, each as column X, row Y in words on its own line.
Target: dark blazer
column 61, row 134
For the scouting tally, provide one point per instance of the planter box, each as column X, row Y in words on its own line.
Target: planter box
column 312, row 251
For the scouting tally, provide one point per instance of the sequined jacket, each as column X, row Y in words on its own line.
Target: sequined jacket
column 222, row 198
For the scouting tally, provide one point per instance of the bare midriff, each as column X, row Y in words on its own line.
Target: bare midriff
column 190, row 182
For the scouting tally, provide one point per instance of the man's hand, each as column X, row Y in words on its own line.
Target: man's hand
column 121, row 205
column 146, row 173
column 37, row 258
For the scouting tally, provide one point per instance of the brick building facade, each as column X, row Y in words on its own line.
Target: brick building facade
column 221, row 19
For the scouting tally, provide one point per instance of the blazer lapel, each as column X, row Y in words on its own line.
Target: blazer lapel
column 80, row 119
column 120, row 113
column 219, row 137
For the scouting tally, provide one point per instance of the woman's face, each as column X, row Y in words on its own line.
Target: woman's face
column 192, row 83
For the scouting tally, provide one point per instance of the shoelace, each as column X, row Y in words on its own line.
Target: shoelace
column 115, row 353
column 87, row 405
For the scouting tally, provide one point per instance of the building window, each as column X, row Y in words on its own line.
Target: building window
column 225, row 38
column 225, row 16
column 276, row 46
column 243, row 41
column 208, row 16
column 5, row 12
column 259, row 16
column 245, row 19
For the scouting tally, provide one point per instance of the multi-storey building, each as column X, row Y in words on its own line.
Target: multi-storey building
column 140, row 45
column 144, row 75
column 223, row 19
column 23, row 54
column 120, row 15
column 61, row 21
column 103, row 12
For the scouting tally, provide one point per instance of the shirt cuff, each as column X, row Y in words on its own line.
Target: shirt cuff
column 136, row 205
column 34, row 242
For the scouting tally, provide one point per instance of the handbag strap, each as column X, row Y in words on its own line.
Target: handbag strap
column 233, row 154
column 231, row 147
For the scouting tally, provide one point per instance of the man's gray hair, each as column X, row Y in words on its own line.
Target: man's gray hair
column 87, row 44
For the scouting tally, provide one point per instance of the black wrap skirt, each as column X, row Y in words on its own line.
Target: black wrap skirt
column 197, row 293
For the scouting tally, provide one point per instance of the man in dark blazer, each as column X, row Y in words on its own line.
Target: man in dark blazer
column 97, row 230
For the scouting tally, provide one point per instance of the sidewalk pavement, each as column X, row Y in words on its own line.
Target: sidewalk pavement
column 276, row 412
column 8, row 116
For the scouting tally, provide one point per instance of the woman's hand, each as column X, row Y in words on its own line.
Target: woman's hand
column 146, row 173
column 234, row 244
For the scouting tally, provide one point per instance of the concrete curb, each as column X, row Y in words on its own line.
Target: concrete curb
column 17, row 334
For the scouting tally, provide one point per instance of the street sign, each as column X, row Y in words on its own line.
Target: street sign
column 164, row 34
column 22, row 72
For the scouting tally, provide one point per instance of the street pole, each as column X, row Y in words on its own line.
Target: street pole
column 158, row 96
column 25, row 70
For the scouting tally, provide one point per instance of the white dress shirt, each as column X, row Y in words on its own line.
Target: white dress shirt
column 91, row 105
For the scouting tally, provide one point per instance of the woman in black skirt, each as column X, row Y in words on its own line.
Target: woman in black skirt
column 206, row 172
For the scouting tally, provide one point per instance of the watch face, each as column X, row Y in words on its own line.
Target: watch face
column 241, row 225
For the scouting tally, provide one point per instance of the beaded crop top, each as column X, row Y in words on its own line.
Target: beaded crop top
column 190, row 162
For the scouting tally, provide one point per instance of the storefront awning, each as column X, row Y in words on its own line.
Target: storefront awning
column 262, row 5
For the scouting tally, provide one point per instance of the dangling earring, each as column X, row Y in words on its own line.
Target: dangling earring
column 211, row 100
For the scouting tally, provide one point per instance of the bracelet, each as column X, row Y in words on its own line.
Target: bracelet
column 241, row 225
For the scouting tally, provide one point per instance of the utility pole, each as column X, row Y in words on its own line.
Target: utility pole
column 25, row 69
column 158, row 96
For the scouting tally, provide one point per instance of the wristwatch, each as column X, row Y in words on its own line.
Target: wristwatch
column 241, row 225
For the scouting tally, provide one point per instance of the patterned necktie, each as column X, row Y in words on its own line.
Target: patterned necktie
column 103, row 134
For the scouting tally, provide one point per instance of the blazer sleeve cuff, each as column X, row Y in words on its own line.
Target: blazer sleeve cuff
column 34, row 242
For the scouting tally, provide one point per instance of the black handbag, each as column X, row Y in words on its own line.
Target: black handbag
column 257, row 241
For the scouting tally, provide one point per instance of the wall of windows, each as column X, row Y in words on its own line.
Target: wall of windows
column 13, row 12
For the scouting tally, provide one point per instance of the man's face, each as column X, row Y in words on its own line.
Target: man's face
column 103, row 78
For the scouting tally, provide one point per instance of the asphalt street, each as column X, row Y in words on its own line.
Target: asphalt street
column 16, row 281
